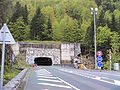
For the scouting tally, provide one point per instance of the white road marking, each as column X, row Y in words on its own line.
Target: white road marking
column 47, row 77
column 110, row 74
column 117, row 82
column 50, row 80
column 68, row 84
column 54, row 85
column 97, row 78
column 47, row 71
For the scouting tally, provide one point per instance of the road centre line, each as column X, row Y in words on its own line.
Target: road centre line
column 55, row 85
column 68, row 84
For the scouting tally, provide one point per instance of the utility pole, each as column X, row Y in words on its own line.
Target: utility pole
column 94, row 12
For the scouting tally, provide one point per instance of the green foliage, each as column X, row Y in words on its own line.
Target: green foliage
column 68, row 21
column 5, row 11
column 17, row 13
column 70, row 30
column 115, row 45
column 35, row 41
column 19, row 30
column 103, row 35
column 20, row 11
column 37, row 26
column 106, row 65
column 25, row 14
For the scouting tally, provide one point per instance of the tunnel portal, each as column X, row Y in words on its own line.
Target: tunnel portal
column 43, row 61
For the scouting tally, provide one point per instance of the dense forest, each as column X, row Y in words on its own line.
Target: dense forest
column 65, row 21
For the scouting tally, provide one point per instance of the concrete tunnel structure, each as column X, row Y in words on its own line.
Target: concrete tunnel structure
column 61, row 53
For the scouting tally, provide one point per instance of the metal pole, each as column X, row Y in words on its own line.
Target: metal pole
column 95, row 39
column 2, row 65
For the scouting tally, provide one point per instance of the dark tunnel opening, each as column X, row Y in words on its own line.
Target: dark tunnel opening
column 43, row 61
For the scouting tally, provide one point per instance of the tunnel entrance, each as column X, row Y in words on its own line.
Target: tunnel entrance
column 44, row 61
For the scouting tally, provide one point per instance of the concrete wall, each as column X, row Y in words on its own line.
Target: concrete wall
column 32, row 53
column 59, row 53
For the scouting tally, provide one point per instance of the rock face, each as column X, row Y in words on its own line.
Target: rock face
column 59, row 53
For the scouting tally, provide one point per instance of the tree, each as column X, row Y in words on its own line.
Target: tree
column 70, row 30
column 98, row 2
column 18, row 12
column 25, row 14
column 101, row 21
column 115, row 46
column 113, row 23
column 56, row 31
column 116, row 21
column 37, row 26
column 4, row 11
column 49, row 28
column 19, row 30
column 47, row 34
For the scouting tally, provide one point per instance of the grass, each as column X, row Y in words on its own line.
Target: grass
column 10, row 75
column 35, row 41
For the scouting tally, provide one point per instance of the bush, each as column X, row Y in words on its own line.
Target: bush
column 106, row 66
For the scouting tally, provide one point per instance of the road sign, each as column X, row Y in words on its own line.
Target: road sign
column 8, row 36
column 99, row 64
column 99, row 58
column 5, row 38
column 99, row 53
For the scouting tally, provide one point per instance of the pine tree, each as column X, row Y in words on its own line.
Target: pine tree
column 49, row 27
column 25, row 14
column 19, row 30
column 101, row 21
column 37, row 26
column 18, row 12
column 113, row 23
column 4, row 6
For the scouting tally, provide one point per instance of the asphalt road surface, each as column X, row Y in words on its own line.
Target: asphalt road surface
column 65, row 78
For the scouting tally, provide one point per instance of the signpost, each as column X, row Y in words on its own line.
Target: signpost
column 99, row 53
column 5, row 38
column 99, row 64
column 99, row 59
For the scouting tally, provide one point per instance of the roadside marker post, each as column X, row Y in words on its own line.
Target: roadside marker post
column 110, row 57
column 5, row 38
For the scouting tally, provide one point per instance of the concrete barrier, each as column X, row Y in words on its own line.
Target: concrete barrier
column 15, row 82
column 116, row 66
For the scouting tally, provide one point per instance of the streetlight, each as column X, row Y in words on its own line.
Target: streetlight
column 94, row 12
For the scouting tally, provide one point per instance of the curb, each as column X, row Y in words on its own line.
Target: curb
column 15, row 82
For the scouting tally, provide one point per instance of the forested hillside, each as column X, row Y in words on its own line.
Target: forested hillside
column 66, row 21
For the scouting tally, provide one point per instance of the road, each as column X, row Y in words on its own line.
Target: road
column 65, row 78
